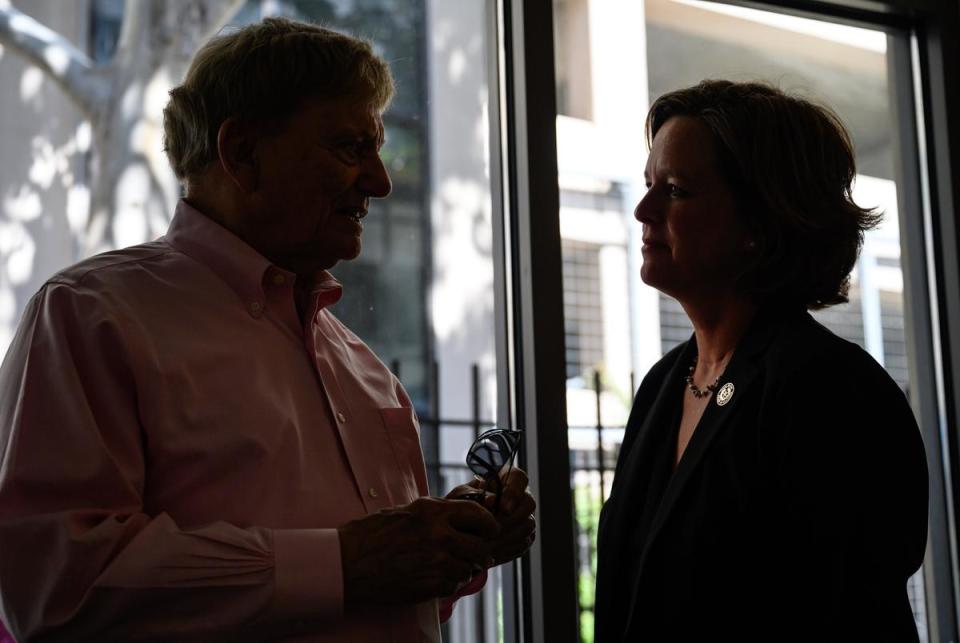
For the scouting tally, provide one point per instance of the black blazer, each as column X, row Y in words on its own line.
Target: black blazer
column 798, row 510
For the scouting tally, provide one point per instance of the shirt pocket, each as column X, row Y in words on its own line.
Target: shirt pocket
column 400, row 425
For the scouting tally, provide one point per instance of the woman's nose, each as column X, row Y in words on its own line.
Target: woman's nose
column 646, row 210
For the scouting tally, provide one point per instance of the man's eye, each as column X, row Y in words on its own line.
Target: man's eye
column 676, row 191
column 349, row 152
column 353, row 152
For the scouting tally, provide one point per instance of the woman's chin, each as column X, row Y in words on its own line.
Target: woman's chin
column 651, row 276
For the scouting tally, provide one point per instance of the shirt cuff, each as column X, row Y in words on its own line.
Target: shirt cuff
column 308, row 573
column 475, row 585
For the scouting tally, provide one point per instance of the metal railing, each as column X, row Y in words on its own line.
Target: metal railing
column 591, row 473
column 443, row 476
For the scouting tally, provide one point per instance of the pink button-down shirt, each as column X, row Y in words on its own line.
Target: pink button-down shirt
column 178, row 450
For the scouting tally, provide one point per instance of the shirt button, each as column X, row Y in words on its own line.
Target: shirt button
column 341, row 417
column 256, row 307
column 278, row 279
column 372, row 492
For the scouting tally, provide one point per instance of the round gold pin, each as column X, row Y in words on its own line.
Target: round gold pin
column 725, row 394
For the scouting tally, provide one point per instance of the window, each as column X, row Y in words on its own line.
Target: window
column 674, row 44
column 421, row 293
column 489, row 238
column 583, row 311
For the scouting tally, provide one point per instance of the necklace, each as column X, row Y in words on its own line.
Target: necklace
column 697, row 392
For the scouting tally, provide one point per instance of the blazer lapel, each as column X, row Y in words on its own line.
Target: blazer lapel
column 741, row 374
column 657, row 419
column 715, row 417
column 616, row 536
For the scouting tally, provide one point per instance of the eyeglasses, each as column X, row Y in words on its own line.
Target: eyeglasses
column 491, row 452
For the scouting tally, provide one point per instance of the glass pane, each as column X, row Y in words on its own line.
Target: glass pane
column 612, row 60
column 421, row 294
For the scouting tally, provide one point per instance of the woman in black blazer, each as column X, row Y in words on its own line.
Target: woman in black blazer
column 772, row 482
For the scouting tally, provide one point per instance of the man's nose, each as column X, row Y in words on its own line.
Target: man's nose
column 374, row 180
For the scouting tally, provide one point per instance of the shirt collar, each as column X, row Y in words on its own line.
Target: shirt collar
column 234, row 261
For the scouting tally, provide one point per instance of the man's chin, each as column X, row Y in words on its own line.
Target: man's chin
column 351, row 253
column 324, row 259
column 343, row 254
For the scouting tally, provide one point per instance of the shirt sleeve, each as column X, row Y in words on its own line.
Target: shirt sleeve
column 79, row 557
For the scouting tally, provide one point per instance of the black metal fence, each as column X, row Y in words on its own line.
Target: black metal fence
column 442, row 476
column 591, row 473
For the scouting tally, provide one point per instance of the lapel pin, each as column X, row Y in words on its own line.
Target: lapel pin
column 725, row 394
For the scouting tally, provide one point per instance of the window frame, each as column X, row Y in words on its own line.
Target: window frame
column 925, row 38
column 546, row 578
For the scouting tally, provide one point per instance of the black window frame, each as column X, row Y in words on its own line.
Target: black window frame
column 925, row 53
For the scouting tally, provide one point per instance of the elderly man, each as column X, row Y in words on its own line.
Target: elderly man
column 193, row 447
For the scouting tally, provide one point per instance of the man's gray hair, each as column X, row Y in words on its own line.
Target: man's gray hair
column 263, row 73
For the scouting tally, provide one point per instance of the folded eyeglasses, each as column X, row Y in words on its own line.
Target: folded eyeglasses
column 490, row 453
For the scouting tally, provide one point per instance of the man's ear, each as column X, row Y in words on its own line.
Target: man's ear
column 237, row 149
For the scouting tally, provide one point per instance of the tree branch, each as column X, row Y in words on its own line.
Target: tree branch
column 205, row 18
column 171, row 30
column 221, row 13
column 131, row 32
column 66, row 65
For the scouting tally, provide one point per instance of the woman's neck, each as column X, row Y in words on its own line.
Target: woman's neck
column 718, row 326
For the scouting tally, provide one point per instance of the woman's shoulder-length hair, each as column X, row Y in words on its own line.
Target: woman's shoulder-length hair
column 790, row 164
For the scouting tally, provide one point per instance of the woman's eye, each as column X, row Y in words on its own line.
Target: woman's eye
column 672, row 190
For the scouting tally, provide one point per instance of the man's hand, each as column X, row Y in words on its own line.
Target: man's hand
column 517, row 523
column 423, row 550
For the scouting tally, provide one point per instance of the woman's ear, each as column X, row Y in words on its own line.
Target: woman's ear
column 237, row 151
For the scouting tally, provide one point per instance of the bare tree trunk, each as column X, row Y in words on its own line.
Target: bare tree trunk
column 132, row 188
